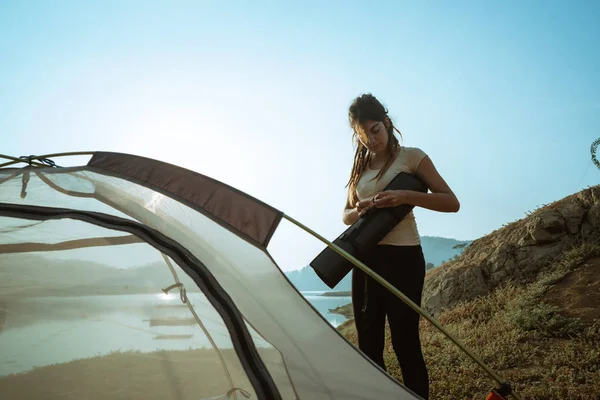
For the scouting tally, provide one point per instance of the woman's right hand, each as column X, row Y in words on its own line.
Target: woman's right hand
column 363, row 206
column 351, row 215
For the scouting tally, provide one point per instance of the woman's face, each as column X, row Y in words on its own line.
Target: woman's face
column 374, row 136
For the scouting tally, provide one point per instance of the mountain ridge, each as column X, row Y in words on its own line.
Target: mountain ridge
column 436, row 249
column 36, row 275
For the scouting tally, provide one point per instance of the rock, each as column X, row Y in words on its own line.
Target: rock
column 593, row 215
column 526, row 240
column 573, row 212
column 499, row 256
column 516, row 252
column 467, row 283
column 589, row 196
column 511, row 268
column 595, row 193
column 502, row 264
column 448, row 283
column 433, row 303
column 530, row 259
column 474, row 283
column 586, row 230
column 546, row 227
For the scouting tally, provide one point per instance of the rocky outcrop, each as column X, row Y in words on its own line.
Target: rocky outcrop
column 516, row 252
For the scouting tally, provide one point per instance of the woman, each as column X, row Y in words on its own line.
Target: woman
column 398, row 257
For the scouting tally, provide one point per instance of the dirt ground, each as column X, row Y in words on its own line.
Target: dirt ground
column 578, row 294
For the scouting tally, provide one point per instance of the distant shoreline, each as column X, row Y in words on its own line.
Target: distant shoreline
column 345, row 310
column 337, row 294
column 67, row 290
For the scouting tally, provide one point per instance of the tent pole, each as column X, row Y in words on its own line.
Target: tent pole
column 199, row 322
column 403, row 297
column 16, row 160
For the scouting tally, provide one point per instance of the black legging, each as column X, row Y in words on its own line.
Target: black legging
column 404, row 268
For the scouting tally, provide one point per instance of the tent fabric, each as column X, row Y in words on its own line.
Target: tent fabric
column 112, row 274
column 237, row 210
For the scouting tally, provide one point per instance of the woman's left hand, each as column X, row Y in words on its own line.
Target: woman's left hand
column 391, row 198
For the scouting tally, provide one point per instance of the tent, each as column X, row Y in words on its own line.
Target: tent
column 131, row 278
column 128, row 277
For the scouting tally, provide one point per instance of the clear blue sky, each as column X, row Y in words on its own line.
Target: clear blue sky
column 503, row 96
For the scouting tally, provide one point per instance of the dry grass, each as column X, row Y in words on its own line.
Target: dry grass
column 542, row 351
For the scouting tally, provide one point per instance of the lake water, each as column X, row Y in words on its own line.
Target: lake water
column 325, row 303
column 45, row 331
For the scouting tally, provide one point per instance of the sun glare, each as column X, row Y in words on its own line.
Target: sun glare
column 165, row 296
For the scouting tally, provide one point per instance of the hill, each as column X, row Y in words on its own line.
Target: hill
column 36, row 275
column 526, row 300
column 517, row 252
column 436, row 251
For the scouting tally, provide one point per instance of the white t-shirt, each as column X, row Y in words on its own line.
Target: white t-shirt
column 408, row 160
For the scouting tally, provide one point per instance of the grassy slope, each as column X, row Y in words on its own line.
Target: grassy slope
column 542, row 337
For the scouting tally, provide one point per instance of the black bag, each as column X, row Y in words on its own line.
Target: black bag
column 365, row 233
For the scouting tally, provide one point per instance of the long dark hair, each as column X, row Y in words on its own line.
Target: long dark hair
column 367, row 108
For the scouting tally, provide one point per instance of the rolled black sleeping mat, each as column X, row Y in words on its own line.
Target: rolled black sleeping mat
column 365, row 233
